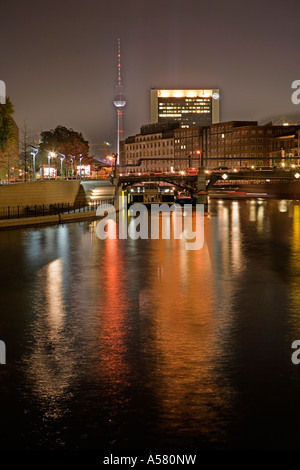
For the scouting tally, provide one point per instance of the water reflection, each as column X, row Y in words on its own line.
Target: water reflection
column 51, row 364
column 129, row 343
column 113, row 325
column 295, row 274
column 180, row 301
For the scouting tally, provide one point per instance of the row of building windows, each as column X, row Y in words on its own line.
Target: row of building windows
column 148, row 137
column 241, row 155
column 183, row 108
column 216, row 138
column 151, row 145
column 188, row 133
column 220, row 129
column 155, row 153
column 237, row 147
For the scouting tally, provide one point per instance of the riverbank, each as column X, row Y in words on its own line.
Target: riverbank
column 14, row 199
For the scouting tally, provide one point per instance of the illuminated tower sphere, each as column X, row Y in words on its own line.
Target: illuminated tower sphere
column 119, row 102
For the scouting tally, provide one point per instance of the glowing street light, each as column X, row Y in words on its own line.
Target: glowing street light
column 224, row 176
column 198, row 152
column 50, row 155
column 72, row 165
column 80, row 158
column 34, row 153
column 62, row 157
column 297, row 175
column 113, row 160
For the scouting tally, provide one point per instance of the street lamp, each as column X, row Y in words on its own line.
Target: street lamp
column 80, row 158
column 113, row 160
column 72, row 166
column 50, row 154
column 198, row 152
column 61, row 164
column 34, row 153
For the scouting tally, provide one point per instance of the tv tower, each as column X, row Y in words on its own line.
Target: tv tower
column 119, row 102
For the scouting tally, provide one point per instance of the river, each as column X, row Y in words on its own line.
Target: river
column 138, row 344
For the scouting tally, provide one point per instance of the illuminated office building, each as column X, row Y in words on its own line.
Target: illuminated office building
column 189, row 107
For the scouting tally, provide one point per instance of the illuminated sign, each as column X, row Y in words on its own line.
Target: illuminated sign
column 49, row 172
column 84, row 170
column 184, row 93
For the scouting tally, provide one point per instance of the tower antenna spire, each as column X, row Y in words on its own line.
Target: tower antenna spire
column 119, row 102
column 119, row 63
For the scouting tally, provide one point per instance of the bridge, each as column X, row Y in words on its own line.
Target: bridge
column 206, row 180
column 184, row 182
column 194, row 184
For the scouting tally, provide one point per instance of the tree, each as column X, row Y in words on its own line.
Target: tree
column 67, row 142
column 26, row 141
column 7, row 135
column 9, row 152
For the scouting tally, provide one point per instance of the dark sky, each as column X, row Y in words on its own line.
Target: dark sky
column 58, row 58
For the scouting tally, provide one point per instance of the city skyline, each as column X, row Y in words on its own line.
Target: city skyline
column 67, row 77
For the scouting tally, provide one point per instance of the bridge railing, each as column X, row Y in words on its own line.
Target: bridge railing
column 16, row 212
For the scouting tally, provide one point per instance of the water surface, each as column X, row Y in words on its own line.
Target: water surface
column 139, row 344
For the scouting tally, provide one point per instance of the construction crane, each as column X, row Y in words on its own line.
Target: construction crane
column 102, row 146
column 282, row 121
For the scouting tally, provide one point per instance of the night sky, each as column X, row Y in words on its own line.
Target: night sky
column 58, row 59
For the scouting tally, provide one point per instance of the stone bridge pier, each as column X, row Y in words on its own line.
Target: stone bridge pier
column 201, row 196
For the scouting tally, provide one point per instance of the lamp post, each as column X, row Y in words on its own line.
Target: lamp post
column 34, row 153
column 199, row 152
column 62, row 157
column 110, row 158
column 80, row 158
column 113, row 160
column 50, row 154
column 72, row 168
